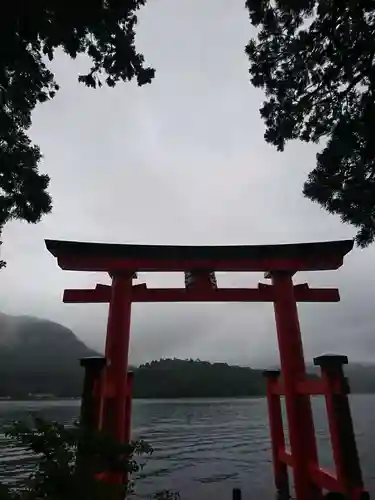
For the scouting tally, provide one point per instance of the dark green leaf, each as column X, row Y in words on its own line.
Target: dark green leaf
column 315, row 61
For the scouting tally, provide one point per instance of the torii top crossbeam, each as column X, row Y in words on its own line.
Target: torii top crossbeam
column 79, row 256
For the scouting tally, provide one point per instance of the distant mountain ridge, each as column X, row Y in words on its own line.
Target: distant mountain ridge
column 39, row 356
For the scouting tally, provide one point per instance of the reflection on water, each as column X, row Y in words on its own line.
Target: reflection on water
column 203, row 448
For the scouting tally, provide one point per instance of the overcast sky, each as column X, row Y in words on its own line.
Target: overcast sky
column 181, row 161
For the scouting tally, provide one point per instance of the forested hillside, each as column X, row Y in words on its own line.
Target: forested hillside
column 42, row 357
column 176, row 378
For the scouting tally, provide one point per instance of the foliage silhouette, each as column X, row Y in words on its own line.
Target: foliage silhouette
column 30, row 33
column 61, row 451
column 315, row 60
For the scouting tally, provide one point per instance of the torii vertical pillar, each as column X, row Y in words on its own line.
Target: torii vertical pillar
column 116, row 352
column 298, row 406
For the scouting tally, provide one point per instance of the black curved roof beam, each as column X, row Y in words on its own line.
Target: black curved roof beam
column 82, row 256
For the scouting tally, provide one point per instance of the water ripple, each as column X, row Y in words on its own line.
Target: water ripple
column 202, row 448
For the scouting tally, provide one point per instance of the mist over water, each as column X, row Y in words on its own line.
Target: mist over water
column 202, row 448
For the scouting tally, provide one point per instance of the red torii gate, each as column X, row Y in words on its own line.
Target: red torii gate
column 280, row 263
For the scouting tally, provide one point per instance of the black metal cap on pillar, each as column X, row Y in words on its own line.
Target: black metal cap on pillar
column 93, row 363
column 332, row 366
column 236, row 494
column 331, row 360
column 272, row 374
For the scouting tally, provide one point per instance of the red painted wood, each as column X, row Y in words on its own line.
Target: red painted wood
column 107, row 264
column 116, row 352
column 298, row 407
column 286, row 457
column 345, row 453
column 323, row 478
column 277, row 438
column 84, row 296
column 265, row 293
column 312, row 387
column 278, row 388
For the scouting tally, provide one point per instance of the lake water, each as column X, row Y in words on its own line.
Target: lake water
column 203, row 448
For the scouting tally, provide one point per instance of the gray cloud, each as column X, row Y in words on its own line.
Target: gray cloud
column 181, row 161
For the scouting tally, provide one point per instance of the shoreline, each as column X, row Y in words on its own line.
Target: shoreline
column 199, row 398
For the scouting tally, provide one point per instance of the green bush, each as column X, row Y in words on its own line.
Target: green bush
column 68, row 460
